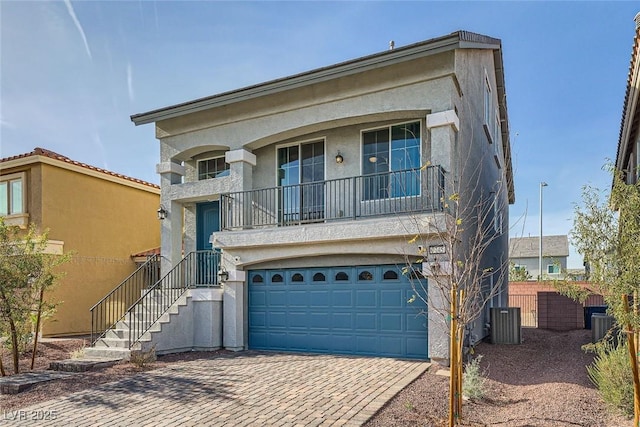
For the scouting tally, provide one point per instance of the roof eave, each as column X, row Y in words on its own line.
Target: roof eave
column 430, row 47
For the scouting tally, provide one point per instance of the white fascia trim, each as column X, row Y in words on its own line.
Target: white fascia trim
column 443, row 118
column 170, row 167
column 240, row 155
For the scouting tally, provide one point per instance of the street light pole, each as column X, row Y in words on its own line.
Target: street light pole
column 542, row 184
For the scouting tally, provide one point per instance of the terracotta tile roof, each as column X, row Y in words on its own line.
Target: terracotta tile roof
column 52, row 155
column 147, row 253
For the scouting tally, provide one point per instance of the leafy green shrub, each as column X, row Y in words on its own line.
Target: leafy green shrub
column 611, row 374
column 473, row 380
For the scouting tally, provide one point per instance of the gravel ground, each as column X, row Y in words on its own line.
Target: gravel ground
column 542, row 382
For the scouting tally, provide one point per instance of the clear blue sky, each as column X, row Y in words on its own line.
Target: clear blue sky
column 73, row 72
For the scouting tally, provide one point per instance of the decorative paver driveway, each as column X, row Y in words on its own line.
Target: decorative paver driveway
column 247, row 389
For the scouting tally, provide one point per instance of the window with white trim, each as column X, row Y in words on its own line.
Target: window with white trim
column 215, row 167
column 12, row 194
column 553, row 269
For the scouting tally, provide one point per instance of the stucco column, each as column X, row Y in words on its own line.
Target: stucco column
column 443, row 127
column 241, row 163
column 233, row 307
column 438, row 345
column 171, row 227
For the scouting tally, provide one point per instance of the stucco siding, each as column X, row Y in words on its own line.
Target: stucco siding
column 102, row 224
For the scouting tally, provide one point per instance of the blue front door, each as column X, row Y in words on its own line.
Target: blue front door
column 361, row 310
column 207, row 223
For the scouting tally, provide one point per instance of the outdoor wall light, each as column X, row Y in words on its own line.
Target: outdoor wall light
column 162, row 213
column 339, row 158
column 223, row 275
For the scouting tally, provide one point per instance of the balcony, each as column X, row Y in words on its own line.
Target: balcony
column 381, row 194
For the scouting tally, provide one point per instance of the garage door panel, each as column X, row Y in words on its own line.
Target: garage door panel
column 366, row 322
column 391, row 322
column 366, row 345
column 366, row 298
column 298, row 298
column 392, row 298
column 341, row 310
column 277, row 298
column 319, row 298
column 258, row 319
column 342, row 321
column 319, row 320
column 392, row 346
column 415, row 322
column 277, row 319
column 342, row 298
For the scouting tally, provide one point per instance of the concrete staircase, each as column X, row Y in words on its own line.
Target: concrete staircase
column 115, row 343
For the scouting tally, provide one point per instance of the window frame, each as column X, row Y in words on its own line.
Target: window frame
column 227, row 165
column 389, row 127
column 12, row 217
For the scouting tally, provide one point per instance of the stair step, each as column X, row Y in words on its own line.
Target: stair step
column 112, row 343
column 109, row 353
column 82, row 365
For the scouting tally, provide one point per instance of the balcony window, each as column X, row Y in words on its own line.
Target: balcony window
column 301, row 176
column 391, row 149
column 212, row 168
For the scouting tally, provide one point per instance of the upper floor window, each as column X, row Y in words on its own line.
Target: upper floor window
column 390, row 161
column 212, row 168
column 12, row 194
column 553, row 269
column 487, row 100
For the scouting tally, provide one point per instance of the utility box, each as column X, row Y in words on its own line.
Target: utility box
column 601, row 323
column 506, row 325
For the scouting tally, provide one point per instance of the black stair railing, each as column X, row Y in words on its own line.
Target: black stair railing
column 115, row 305
column 196, row 269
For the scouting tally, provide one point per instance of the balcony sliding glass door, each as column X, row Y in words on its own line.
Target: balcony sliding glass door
column 301, row 181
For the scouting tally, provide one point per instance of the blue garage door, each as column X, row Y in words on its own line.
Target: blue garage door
column 349, row 310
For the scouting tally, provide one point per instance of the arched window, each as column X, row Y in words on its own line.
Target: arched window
column 390, row 275
column 297, row 278
column 277, row 278
column 257, row 279
column 342, row 276
column 365, row 275
column 319, row 277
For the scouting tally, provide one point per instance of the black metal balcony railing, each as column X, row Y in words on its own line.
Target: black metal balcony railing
column 388, row 193
column 196, row 269
column 112, row 308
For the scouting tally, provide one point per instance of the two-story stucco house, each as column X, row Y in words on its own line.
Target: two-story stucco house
column 100, row 217
column 311, row 187
column 524, row 252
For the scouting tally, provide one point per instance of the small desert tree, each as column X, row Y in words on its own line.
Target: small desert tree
column 606, row 232
column 469, row 270
column 27, row 272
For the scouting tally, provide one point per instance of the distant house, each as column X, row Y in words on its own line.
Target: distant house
column 628, row 153
column 100, row 216
column 524, row 253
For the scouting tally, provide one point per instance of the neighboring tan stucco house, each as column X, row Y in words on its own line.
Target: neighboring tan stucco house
column 628, row 153
column 524, row 252
column 311, row 187
column 101, row 217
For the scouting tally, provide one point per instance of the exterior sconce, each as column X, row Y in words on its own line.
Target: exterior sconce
column 339, row 158
column 223, row 275
column 162, row 213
